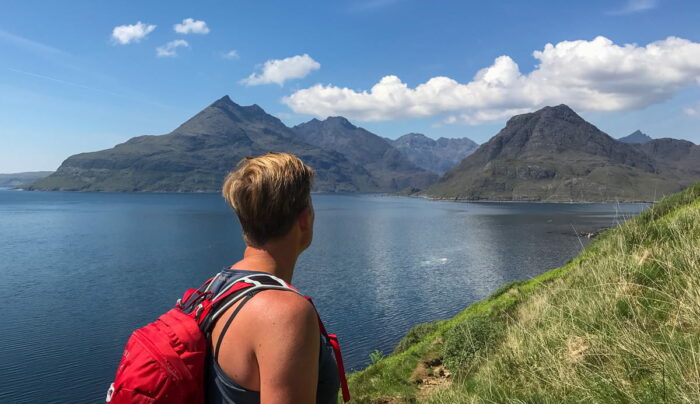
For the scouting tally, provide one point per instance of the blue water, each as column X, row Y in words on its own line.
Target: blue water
column 80, row 271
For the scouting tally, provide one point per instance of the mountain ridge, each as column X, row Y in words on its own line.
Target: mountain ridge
column 389, row 168
column 636, row 137
column 555, row 155
column 196, row 156
column 433, row 155
column 21, row 179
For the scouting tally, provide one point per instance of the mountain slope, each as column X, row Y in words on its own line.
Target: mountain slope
column 437, row 156
column 635, row 137
column 674, row 158
column 18, row 180
column 390, row 169
column 196, row 156
column 555, row 155
column 619, row 323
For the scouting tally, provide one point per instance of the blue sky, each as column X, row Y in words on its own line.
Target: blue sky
column 72, row 81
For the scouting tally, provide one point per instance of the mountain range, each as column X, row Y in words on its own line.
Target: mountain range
column 555, row 155
column 438, row 155
column 197, row 155
column 549, row 155
column 389, row 168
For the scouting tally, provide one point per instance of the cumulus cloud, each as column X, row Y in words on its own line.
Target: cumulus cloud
column 280, row 70
column 595, row 75
column 125, row 34
column 170, row 48
column 191, row 26
column 231, row 55
column 636, row 6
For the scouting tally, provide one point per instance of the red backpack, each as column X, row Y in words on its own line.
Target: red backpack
column 164, row 361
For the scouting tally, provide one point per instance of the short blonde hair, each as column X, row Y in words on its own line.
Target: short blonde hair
column 268, row 193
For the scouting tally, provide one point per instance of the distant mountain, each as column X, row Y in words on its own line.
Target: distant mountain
column 674, row 158
column 635, row 137
column 196, row 156
column 437, row 156
column 555, row 155
column 389, row 168
column 21, row 180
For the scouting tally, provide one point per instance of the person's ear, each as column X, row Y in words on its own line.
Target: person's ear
column 305, row 219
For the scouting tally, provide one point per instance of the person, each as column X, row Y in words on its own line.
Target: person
column 271, row 351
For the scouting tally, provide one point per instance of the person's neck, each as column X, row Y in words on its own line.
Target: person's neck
column 275, row 260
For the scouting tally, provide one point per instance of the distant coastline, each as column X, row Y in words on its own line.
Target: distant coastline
column 459, row 200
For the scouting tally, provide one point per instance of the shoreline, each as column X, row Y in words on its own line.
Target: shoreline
column 381, row 194
column 457, row 200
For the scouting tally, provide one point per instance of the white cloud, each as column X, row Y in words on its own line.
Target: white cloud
column 636, row 6
column 280, row 70
column 191, row 26
column 170, row 48
column 592, row 75
column 693, row 111
column 125, row 34
column 232, row 54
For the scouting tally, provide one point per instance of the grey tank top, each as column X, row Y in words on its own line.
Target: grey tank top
column 221, row 389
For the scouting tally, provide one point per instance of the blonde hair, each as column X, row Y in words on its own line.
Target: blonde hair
column 268, row 193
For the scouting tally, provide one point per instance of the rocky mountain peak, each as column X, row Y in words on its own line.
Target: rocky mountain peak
column 339, row 121
column 226, row 104
column 387, row 165
column 557, row 113
column 414, row 139
column 332, row 123
column 225, row 117
column 636, row 137
column 224, row 101
column 433, row 155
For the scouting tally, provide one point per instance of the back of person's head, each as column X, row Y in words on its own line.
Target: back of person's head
column 268, row 193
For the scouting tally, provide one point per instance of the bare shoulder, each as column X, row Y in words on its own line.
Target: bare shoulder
column 283, row 307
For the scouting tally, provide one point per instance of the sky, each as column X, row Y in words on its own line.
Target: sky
column 85, row 75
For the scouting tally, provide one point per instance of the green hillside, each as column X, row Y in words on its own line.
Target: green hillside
column 619, row 323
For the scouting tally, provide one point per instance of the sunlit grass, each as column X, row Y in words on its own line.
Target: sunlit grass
column 619, row 323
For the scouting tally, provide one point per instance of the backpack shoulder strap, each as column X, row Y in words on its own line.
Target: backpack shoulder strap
column 333, row 340
column 228, row 324
column 249, row 285
column 235, row 291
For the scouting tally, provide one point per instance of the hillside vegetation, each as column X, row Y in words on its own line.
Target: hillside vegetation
column 619, row 323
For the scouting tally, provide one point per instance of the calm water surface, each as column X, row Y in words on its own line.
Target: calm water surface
column 80, row 271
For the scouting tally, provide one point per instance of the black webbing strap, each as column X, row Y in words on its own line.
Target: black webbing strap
column 228, row 323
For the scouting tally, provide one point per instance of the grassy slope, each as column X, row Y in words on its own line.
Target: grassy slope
column 619, row 323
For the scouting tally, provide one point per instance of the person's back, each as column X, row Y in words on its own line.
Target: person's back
column 244, row 389
column 268, row 348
